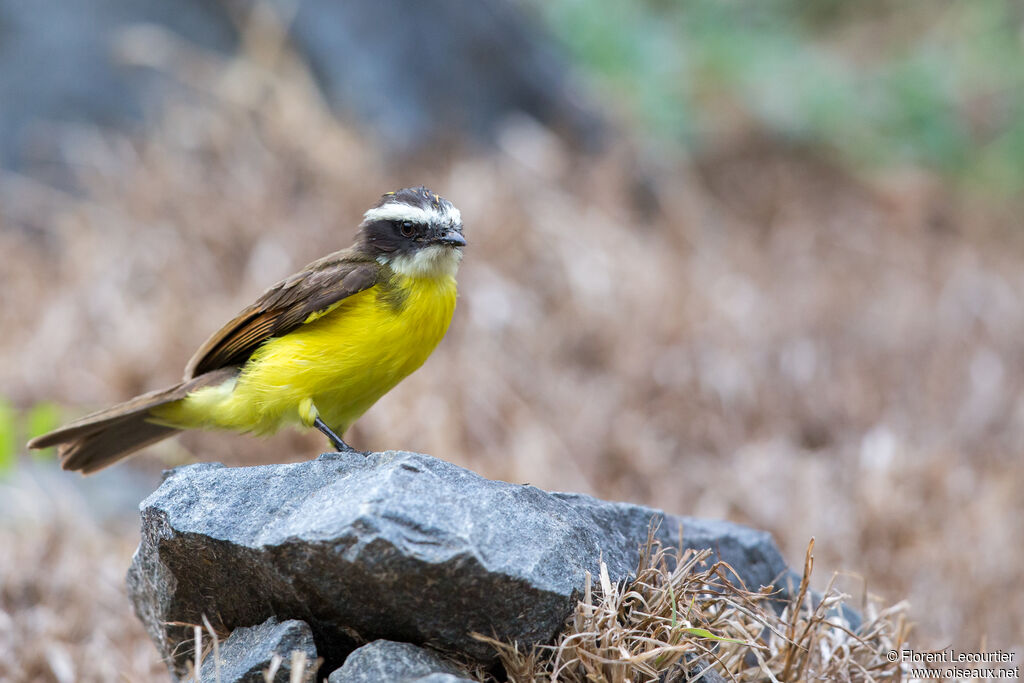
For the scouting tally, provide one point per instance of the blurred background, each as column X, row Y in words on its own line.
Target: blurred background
column 762, row 262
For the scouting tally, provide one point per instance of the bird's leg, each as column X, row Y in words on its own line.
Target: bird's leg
column 310, row 417
column 335, row 440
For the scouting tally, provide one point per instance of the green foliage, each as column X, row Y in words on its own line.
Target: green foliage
column 940, row 84
column 16, row 428
column 8, row 439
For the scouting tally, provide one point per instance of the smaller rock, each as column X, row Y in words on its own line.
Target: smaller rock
column 248, row 651
column 386, row 660
column 693, row 669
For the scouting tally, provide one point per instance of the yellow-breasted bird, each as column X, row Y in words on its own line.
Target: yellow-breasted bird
column 318, row 348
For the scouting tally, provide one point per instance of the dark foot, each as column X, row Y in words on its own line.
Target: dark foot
column 335, row 440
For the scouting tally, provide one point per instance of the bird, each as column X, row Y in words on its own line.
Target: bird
column 317, row 349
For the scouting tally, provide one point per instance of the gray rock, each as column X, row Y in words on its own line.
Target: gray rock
column 386, row 660
column 248, row 652
column 394, row 545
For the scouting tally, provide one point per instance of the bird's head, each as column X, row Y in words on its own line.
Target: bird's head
column 415, row 232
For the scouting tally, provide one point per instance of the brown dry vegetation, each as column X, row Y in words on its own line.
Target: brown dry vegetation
column 755, row 335
column 684, row 613
column 64, row 615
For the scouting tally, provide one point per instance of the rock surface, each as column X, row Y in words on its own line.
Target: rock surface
column 248, row 652
column 386, row 660
column 393, row 545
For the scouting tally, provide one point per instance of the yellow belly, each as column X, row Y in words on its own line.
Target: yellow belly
column 344, row 361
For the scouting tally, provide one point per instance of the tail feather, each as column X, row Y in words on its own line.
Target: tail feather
column 95, row 451
column 102, row 438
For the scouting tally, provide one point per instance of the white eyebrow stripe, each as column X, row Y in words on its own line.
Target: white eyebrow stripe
column 403, row 212
column 399, row 212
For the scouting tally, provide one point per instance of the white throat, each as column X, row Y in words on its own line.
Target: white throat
column 434, row 261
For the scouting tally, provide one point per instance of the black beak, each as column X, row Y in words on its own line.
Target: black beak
column 452, row 238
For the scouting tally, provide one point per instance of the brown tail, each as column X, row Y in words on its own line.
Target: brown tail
column 103, row 438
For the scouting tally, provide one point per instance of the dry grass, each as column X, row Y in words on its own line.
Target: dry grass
column 754, row 335
column 686, row 615
column 64, row 615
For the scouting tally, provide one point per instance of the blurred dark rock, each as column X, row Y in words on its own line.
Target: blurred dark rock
column 421, row 72
column 248, row 652
column 386, row 660
column 415, row 73
column 394, row 545
column 57, row 64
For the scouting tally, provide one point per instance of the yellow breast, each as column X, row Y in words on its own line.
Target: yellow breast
column 344, row 360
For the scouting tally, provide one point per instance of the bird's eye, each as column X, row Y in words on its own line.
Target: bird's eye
column 408, row 229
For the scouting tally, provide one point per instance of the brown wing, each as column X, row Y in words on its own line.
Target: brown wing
column 285, row 306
